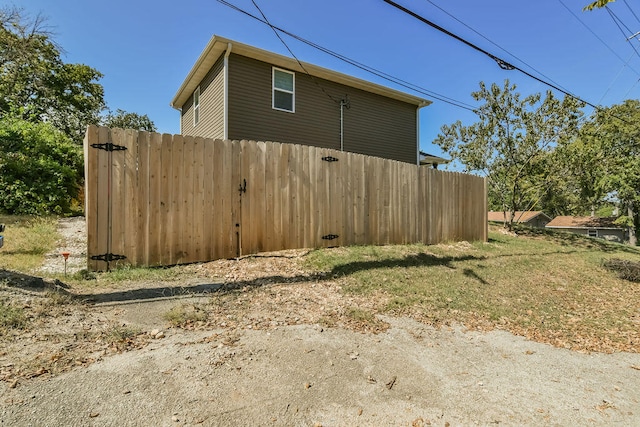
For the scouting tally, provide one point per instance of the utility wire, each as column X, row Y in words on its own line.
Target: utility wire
column 337, row 101
column 631, row 10
column 492, row 42
column 357, row 64
column 597, row 37
column 501, row 62
column 615, row 78
column 617, row 21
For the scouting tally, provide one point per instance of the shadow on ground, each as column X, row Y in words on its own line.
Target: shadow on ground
column 27, row 282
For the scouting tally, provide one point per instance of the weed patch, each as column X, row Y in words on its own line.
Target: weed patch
column 11, row 317
column 183, row 315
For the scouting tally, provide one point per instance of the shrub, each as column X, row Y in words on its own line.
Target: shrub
column 40, row 168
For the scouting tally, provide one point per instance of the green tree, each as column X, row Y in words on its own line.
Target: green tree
column 125, row 120
column 614, row 133
column 511, row 143
column 36, row 85
column 597, row 4
column 40, row 168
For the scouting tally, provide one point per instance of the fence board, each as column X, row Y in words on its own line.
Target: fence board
column 155, row 226
column 169, row 199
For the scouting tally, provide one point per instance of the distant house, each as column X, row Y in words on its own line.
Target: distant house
column 531, row 218
column 236, row 91
column 603, row 228
column 427, row 159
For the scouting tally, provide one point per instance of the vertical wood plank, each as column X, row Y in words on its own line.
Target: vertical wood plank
column 177, row 195
column 211, row 222
column 198, row 235
column 120, row 206
column 306, row 200
column 155, row 227
column 167, row 234
column 141, row 196
column 238, row 197
column 95, row 185
column 270, row 172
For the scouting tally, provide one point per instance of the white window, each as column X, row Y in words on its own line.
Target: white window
column 593, row 233
column 196, row 106
column 284, row 85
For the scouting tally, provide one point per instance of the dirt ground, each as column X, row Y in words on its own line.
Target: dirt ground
column 283, row 352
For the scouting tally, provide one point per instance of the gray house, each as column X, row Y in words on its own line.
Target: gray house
column 603, row 228
column 236, row 91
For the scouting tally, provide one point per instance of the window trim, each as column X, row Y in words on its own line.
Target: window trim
column 274, row 89
column 196, row 106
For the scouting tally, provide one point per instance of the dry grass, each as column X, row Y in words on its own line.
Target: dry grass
column 547, row 287
column 26, row 241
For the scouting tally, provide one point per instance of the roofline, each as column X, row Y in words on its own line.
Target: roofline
column 580, row 228
column 217, row 45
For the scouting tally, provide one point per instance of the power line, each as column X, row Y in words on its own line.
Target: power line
column 617, row 21
column 378, row 73
column 491, row 41
column 293, row 54
column 615, row 78
column 632, row 12
column 501, row 62
column 597, row 36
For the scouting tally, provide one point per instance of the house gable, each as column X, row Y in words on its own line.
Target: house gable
column 211, row 122
column 376, row 120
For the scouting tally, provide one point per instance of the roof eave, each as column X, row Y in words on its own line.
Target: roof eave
column 217, row 45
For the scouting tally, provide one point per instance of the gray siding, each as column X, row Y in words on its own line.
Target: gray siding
column 612, row 235
column 211, row 124
column 374, row 125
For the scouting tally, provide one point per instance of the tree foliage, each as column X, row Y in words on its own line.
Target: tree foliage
column 40, row 168
column 597, row 4
column 511, row 142
column 614, row 134
column 125, row 120
column 36, row 85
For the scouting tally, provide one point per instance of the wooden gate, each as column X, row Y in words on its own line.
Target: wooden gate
column 156, row 199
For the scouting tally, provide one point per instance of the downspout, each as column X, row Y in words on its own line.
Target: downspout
column 422, row 104
column 344, row 102
column 225, row 95
column 341, row 125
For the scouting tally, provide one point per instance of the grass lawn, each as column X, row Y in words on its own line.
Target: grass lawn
column 549, row 287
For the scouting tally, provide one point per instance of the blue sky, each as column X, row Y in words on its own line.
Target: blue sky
column 145, row 48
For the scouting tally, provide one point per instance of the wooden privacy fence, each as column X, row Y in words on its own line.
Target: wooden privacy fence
column 155, row 199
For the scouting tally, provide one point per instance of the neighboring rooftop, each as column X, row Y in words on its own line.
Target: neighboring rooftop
column 520, row 216
column 217, row 46
column 427, row 159
column 583, row 222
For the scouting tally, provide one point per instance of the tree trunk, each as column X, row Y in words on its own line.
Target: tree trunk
column 633, row 241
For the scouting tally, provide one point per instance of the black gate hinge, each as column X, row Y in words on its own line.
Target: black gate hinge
column 330, row 237
column 109, row 146
column 329, row 159
column 108, row 257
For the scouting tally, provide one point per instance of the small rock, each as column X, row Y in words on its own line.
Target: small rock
column 159, row 335
column 94, row 414
column 155, row 332
column 307, row 385
column 175, row 419
column 14, row 384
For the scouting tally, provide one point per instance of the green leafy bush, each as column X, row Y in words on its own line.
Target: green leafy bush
column 40, row 168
